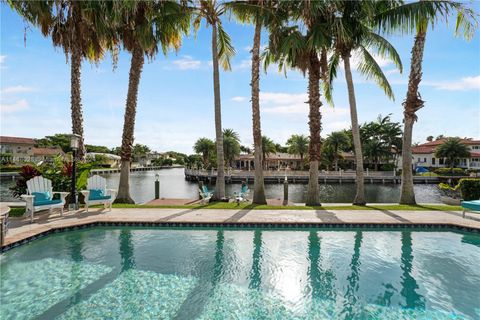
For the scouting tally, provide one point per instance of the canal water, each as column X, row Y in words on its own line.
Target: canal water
column 174, row 185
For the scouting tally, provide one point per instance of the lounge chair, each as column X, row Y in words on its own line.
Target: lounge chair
column 242, row 195
column 472, row 206
column 205, row 194
column 40, row 196
column 97, row 193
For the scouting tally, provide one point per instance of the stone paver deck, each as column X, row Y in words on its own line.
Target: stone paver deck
column 21, row 229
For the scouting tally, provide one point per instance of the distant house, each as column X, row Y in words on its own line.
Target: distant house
column 423, row 155
column 109, row 159
column 17, row 148
column 274, row 161
column 46, row 154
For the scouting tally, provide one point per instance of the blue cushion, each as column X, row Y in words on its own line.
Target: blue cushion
column 47, row 202
column 97, row 194
column 41, row 197
column 472, row 205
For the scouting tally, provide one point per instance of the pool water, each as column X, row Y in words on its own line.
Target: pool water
column 140, row 273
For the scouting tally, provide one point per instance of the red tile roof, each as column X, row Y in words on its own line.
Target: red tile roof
column 429, row 147
column 16, row 140
column 46, row 151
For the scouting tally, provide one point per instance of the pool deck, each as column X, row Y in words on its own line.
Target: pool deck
column 21, row 229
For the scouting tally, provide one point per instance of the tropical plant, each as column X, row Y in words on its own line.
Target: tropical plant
column 206, row 148
column 375, row 150
column 142, row 26
column 353, row 34
column 339, row 141
column 268, row 147
column 301, row 42
column 78, row 27
column 231, row 145
column 222, row 51
column 452, row 150
column 140, row 149
column 298, row 144
column 260, row 13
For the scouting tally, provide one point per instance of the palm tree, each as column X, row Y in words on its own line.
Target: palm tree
column 78, row 28
column 298, row 144
column 222, row 51
column 452, row 150
column 268, row 147
column 142, row 25
column 375, row 150
column 339, row 141
column 258, row 12
column 415, row 17
column 206, row 148
column 231, row 145
column 302, row 42
column 353, row 32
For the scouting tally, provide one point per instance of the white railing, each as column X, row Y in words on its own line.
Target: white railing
column 289, row 173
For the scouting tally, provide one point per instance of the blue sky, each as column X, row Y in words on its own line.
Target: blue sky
column 175, row 102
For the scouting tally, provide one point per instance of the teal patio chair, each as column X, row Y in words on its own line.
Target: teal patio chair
column 471, row 206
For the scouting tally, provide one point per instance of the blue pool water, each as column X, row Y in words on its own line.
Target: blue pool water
column 135, row 273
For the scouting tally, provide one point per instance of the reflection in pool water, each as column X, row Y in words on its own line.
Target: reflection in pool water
column 173, row 185
column 243, row 274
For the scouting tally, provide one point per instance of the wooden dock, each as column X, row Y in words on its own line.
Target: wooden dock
column 302, row 177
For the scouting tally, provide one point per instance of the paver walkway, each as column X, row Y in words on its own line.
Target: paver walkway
column 21, row 228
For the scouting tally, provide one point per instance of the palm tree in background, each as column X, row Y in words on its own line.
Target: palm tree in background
column 79, row 28
column 222, row 52
column 142, row 26
column 338, row 141
column 268, row 147
column 415, row 17
column 452, row 150
column 298, row 144
column 353, row 33
column 260, row 13
column 231, row 145
column 206, row 148
column 301, row 42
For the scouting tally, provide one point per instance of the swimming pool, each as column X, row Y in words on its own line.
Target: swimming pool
column 159, row 273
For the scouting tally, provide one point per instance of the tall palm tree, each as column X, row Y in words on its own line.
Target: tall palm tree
column 298, row 144
column 78, row 27
column 415, row 17
column 353, row 33
column 206, row 148
column 142, row 26
column 260, row 13
column 452, row 150
column 302, row 42
column 222, row 51
column 268, row 147
column 339, row 141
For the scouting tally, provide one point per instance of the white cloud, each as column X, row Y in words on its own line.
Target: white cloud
column 17, row 89
column 467, row 83
column 19, row 105
column 239, row 99
column 187, row 63
column 244, row 64
column 2, row 59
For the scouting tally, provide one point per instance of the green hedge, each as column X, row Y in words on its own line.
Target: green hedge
column 470, row 189
column 448, row 172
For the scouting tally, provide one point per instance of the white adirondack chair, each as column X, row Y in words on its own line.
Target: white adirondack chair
column 96, row 182
column 40, row 184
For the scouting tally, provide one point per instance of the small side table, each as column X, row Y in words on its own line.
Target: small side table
column 4, row 212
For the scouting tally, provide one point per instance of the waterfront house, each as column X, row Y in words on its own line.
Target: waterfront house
column 46, row 154
column 423, row 155
column 17, row 149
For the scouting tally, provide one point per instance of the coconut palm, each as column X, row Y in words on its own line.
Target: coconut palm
column 452, row 150
column 298, row 144
column 353, row 34
column 301, row 42
column 260, row 13
column 206, row 148
column 375, row 150
column 142, row 26
column 415, row 17
column 78, row 27
column 268, row 147
column 339, row 141
column 222, row 51
column 231, row 145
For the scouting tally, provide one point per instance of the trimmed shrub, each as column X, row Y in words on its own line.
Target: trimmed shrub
column 470, row 189
column 448, row 172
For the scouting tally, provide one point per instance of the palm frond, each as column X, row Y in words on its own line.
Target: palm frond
column 384, row 48
column 369, row 68
column 225, row 48
column 333, row 64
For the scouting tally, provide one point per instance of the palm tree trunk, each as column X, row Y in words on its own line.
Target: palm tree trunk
column 313, row 194
column 76, row 99
column 411, row 105
column 259, row 185
column 360, row 193
column 129, row 125
column 220, row 183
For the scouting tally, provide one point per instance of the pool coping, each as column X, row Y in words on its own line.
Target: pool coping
column 239, row 225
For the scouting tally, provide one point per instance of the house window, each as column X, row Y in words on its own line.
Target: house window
column 440, row 161
column 418, row 159
column 425, row 160
column 433, row 160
